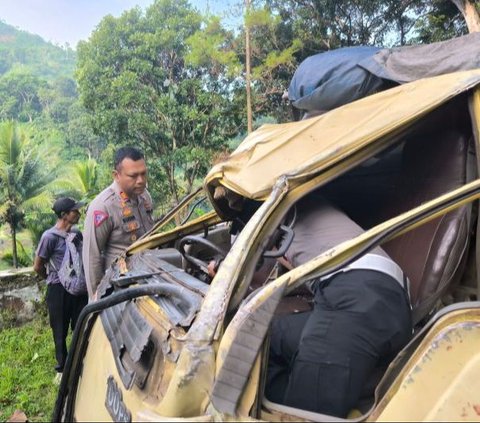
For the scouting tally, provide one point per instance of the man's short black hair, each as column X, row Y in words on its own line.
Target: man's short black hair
column 126, row 153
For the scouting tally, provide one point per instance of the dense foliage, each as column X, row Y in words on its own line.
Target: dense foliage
column 172, row 80
column 136, row 82
column 25, row 177
column 27, row 359
column 42, row 59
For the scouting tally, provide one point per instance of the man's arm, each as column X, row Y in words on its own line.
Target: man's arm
column 39, row 265
column 97, row 229
column 43, row 253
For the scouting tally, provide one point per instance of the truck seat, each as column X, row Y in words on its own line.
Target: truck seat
column 433, row 254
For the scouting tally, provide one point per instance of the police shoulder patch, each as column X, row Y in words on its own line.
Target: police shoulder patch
column 99, row 217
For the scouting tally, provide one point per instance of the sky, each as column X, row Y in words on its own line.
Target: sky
column 69, row 21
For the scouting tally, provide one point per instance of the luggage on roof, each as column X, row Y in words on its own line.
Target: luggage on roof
column 333, row 78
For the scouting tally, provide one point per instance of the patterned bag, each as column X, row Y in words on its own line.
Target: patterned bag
column 71, row 273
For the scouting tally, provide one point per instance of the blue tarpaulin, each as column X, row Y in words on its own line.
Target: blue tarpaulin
column 330, row 79
column 333, row 78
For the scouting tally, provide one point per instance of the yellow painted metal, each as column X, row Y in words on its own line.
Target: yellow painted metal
column 194, row 375
column 475, row 112
column 337, row 145
column 173, row 212
column 475, row 107
column 440, row 381
column 250, row 393
column 99, row 365
column 336, row 256
column 193, row 226
column 150, row 416
column 92, row 388
column 292, row 188
column 317, row 143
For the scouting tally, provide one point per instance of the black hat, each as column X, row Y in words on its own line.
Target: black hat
column 66, row 204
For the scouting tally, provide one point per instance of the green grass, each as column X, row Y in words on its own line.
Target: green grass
column 24, row 238
column 27, row 359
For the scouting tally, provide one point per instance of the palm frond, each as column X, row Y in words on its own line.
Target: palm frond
column 42, row 201
column 81, row 177
column 12, row 141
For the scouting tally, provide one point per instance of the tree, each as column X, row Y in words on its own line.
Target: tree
column 19, row 95
column 441, row 20
column 261, row 57
column 80, row 139
column 272, row 59
column 327, row 24
column 248, row 69
column 135, row 82
column 283, row 33
column 469, row 10
column 24, row 177
column 79, row 179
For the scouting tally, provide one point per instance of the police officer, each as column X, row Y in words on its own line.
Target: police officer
column 321, row 360
column 117, row 217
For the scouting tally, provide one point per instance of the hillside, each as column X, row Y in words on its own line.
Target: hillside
column 41, row 58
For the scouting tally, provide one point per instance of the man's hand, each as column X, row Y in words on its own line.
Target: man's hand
column 39, row 265
column 212, row 268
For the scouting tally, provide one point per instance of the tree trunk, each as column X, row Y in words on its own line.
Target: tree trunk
column 14, row 245
column 469, row 12
column 248, row 71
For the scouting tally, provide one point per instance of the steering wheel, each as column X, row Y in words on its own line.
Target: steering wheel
column 204, row 242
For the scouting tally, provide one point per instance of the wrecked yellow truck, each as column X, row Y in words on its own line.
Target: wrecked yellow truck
column 168, row 342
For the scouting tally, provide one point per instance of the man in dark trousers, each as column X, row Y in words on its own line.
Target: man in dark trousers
column 63, row 307
column 321, row 360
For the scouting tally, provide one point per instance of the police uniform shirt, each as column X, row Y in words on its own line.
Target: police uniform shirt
column 320, row 226
column 113, row 222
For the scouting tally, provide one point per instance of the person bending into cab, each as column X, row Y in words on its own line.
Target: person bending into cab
column 321, row 360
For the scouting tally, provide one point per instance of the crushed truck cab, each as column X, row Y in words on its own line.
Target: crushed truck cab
column 166, row 341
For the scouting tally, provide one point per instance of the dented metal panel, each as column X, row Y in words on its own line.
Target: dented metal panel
column 248, row 331
column 209, row 341
column 438, row 383
column 315, row 144
column 128, row 333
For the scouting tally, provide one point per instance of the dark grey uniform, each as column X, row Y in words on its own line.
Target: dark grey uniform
column 113, row 223
column 321, row 360
column 321, row 226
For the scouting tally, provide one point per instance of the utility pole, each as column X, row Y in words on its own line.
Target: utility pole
column 248, row 69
